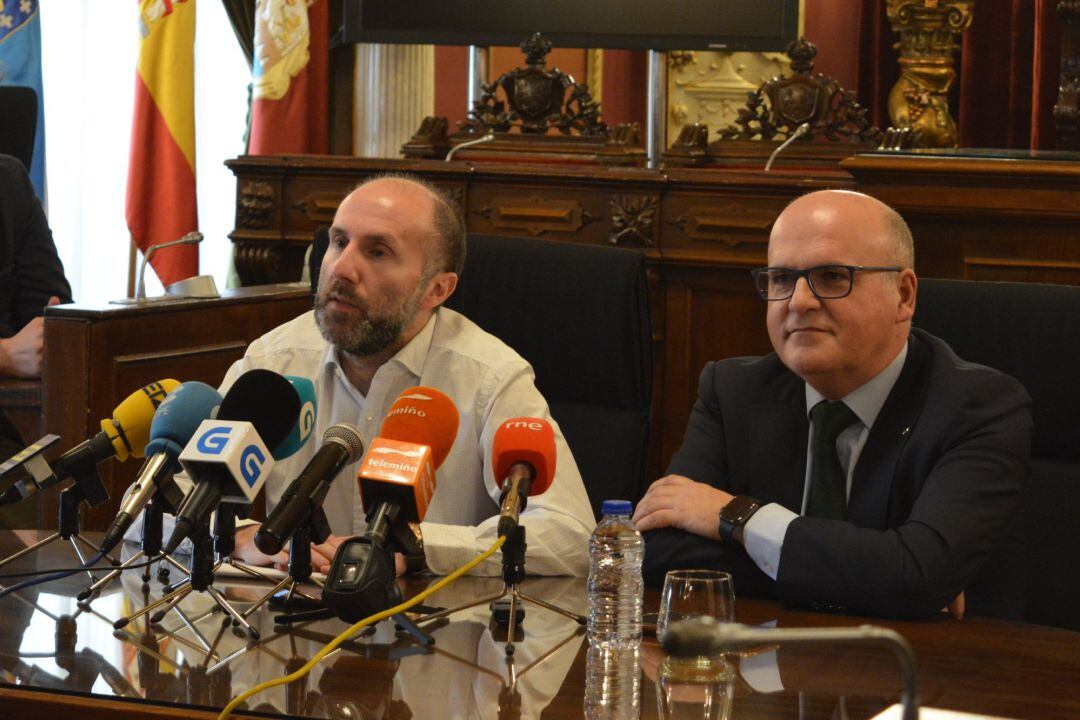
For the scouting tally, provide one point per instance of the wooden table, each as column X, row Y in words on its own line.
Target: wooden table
column 982, row 666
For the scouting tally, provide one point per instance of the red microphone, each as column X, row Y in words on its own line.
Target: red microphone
column 523, row 458
column 397, row 476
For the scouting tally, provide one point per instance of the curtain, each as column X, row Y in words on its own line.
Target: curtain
column 1007, row 75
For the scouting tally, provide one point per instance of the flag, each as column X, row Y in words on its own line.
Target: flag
column 161, row 203
column 20, row 64
column 290, row 76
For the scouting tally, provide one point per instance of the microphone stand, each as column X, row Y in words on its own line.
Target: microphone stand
column 166, row 500
column 316, row 528
column 513, row 563
column 200, row 579
column 89, row 487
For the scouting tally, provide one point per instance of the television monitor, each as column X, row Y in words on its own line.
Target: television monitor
column 756, row 25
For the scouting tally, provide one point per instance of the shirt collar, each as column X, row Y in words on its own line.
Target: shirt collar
column 411, row 357
column 866, row 400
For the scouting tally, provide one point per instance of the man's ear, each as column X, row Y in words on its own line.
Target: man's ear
column 439, row 289
column 907, row 287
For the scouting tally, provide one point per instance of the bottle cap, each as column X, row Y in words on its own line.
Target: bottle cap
column 616, row 507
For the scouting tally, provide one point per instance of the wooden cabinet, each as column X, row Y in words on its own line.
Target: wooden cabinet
column 702, row 230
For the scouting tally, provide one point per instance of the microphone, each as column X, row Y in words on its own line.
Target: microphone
column 228, row 457
column 396, row 480
column 174, row 423
column 523, row 458
column 397, row 477
column 342, row 445
column 706, row 636
column 123, row 435
column 799, row 132
column 305, row 421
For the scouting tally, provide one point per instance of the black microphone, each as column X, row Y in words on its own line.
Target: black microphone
column 342, row 445
column 260, row 403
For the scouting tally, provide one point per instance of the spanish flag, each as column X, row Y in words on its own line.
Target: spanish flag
column 161, row 203
column 289, row 107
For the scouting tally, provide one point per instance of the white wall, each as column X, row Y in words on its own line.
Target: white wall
column 89, row 51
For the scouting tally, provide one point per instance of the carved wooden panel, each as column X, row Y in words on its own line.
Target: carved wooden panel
column 256, row 204
column 535, row 214
column 1064, row 272
column 633, row 220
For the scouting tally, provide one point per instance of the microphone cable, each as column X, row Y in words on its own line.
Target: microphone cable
column 61, row 573
column 351, row 630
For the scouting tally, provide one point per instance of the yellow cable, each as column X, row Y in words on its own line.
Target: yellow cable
column 350, row 631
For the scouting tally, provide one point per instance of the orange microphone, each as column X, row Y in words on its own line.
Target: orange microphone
column 397, row 477
column 396, row 480
column 523, row 458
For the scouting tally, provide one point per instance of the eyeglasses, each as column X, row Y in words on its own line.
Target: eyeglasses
column 827, row 282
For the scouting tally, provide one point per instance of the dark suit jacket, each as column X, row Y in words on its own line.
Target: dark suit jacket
column 30, row 269
column 934, row 494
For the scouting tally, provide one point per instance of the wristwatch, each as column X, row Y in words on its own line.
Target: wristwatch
column 735, row 515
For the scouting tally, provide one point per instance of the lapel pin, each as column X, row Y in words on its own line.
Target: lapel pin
column 905, row 431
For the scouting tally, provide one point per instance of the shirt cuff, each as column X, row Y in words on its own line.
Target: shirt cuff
column 763, row 536
column 448, row 547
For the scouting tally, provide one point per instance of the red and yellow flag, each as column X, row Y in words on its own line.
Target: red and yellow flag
column 161, row 203
column 289, row 107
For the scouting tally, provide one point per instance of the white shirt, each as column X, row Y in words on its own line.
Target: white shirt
column 764, row 533
column 488, row 383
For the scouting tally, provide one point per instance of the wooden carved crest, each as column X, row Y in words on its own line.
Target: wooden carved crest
column 782, row 104
column 536, row 99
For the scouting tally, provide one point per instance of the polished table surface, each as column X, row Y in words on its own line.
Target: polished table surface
column 59, row 661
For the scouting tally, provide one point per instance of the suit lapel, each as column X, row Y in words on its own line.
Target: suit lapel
column 778, row 435
column 868, row 503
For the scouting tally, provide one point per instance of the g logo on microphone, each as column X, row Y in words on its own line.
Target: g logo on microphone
column 214, row 440
column 307, row 421
column 251, row 464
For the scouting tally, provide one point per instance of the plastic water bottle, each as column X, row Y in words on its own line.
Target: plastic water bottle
column 616, row 551
column 612, row 683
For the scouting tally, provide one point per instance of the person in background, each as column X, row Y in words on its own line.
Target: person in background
column 863, row 467
column 31, row 278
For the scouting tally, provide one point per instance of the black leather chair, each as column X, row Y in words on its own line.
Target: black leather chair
column 1032, row 332
column 18, row 122
column 580, row 315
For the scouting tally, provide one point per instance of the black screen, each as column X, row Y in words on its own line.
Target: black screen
column 760, row 25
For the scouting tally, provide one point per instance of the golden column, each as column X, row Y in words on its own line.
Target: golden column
column 928, row 30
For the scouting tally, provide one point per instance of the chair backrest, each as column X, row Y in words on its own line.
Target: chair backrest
column 18, row 122
column 1032, row 332
column 580, row 315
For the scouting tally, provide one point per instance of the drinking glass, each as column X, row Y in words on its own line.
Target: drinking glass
column 695, row 593
column 695, row 689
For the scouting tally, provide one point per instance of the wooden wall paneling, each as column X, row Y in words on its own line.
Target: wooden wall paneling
column 109, row 352
column 711, row 313
column 65, row 393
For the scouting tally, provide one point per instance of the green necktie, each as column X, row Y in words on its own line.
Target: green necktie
column 828, row 482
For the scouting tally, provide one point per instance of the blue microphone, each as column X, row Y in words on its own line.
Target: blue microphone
column 305, row 421
column 174, row 423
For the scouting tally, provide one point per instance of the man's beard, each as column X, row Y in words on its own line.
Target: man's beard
column 373, row 333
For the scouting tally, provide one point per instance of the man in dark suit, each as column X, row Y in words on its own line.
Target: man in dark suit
column 863, row 467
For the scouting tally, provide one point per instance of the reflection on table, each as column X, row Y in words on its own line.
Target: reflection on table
column 57, row 659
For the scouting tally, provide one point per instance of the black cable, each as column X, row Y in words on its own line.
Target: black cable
column 65, row 572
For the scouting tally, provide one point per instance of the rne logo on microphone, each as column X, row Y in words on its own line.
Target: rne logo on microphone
column 526, row 424
column 251, row 463
column 214, row 440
